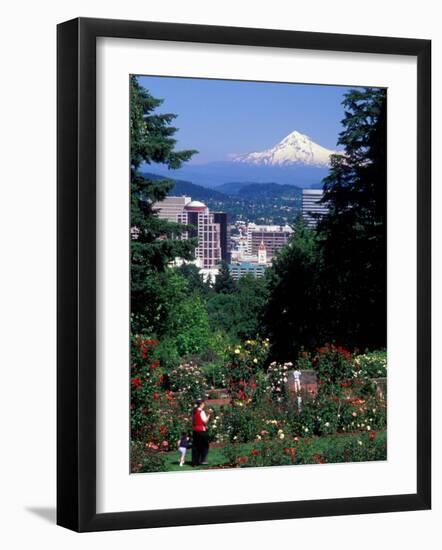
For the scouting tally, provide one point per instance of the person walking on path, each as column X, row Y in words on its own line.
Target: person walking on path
column 200, row 437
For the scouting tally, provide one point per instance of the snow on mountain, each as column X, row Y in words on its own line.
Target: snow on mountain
column 294, row 149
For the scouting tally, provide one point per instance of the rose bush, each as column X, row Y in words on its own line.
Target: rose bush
column 324, row 450
column 188, row 384
column 334, row 366
column 371, row 365
column 277, row 378
column 240, row 423
column 146, row 459
column 244, row 361
column 145, row 386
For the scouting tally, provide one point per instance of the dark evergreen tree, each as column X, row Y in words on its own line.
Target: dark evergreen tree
column 195, row 282
column 252, row 298
column 154, row 242
column 223, row 310
column 353, row 234
column 239, row 313
column 292, row 315
column 224, row 283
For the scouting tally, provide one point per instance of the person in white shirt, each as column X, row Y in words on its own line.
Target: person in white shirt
column 297, row 380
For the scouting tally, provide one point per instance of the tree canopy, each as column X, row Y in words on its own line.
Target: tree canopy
column 292, row 313
column 352, row 236
column 154, row 242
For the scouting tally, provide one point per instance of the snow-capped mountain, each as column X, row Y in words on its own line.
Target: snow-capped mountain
column 294, row 149
column 296, row 160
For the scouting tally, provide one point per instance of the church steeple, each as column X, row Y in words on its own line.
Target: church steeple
column 262, row 253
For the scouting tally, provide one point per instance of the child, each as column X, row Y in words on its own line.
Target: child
column 183, row 445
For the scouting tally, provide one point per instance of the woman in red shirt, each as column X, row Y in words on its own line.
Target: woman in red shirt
column 200, row 438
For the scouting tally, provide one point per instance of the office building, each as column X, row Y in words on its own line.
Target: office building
column 247, row 268
column 170, row 207
column 312, row 208
column 221, row 219
column 210, row 229
column 273, row 237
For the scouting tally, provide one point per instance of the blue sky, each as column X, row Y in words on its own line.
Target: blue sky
column 220, row 117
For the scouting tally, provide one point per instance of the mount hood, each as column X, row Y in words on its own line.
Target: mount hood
column 294, row 149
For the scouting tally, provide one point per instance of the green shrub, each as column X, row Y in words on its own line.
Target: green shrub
column 167, row 354
column 260, row 395
column 357, row 449
column 246, row 359
column 144, row 459
column 333, row 365
column 304, row 361
column 371, row 364
column 215, row 374
column 240, row 423
column 322, row 450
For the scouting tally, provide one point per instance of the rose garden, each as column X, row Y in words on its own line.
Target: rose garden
column 258, row 419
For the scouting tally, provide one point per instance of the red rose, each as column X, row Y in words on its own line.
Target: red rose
column 372, row 435
column 254, row 452
column 136, row 383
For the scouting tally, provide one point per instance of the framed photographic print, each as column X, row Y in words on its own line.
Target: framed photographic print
column 243, row 274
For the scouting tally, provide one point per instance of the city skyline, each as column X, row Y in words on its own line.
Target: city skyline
column 247, row 247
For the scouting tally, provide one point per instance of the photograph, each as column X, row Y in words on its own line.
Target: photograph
column 220, row 282
column 258, row 274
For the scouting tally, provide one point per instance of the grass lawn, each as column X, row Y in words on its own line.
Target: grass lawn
column 217, row 458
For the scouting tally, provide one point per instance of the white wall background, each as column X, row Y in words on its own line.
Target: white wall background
column 27, row 275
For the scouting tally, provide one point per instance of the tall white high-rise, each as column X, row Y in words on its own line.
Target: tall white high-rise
column 203, row 226
column 312, row 208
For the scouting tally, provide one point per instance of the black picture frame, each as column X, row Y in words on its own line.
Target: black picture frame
column 76, row 272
